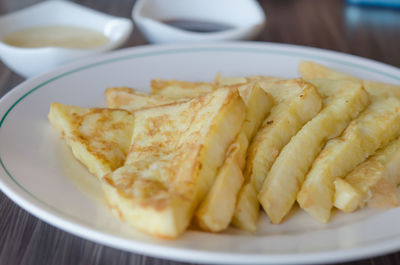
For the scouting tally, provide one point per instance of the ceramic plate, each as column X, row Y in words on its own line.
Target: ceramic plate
column 39, row 173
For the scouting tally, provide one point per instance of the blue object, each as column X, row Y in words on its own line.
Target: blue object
column 385, row 3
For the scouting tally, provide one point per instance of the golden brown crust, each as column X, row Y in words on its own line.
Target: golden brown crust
column 170, row 165
column 132, row 100
column 99, row 137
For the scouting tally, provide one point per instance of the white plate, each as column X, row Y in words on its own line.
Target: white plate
column 39, row 173
column 245, row 19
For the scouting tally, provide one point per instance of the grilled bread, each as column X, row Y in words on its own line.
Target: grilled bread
column 176, row 89
column 215, row 214
column 131, row 100
column 99, row 138
column 172, row 163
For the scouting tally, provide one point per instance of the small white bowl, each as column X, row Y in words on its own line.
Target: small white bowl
column 29, row 62
column 245, row 17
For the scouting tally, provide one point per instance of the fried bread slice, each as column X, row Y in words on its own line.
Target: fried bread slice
column 215, row 214
column 342, row 102
column 296, row 103
column 252, row 94
column 175, row 153
column 176, row 89
column 371, row 182
column 373, row 129
column 131, row 100
column 99, row 138
column 222, row 81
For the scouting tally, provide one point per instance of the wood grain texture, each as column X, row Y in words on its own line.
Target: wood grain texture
column 365, row 31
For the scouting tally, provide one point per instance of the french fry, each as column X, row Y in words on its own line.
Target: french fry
column 381, row 89
column 296, row 103
column 311, row 70
column 348, row 198
column 216, row 211
column 370, row 183
column 342, row 102
column 259, row 104
column 374, row 128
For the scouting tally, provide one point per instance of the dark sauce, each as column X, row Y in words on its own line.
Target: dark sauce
column 199, row 26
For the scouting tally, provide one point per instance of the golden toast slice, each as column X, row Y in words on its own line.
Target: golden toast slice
column 342, row 102
column 222, row 81
column 175, row 153
column 296, row 103
column 373, row 129
column 216, row 211
column 99, row 138
column 131, row 100
column 176, row 89
column 228, row 179
column 253, row 95
column 370, row 182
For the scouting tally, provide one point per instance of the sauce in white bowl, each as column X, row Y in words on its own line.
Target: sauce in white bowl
column 56, row 36
column 174, row 21
column 41, row 37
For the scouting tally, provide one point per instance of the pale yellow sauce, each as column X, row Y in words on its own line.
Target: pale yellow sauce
column 56, row 36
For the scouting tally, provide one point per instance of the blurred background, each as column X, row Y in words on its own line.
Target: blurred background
column 366, row 30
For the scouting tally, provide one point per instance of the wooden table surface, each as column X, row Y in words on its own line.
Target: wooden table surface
column 365, row 31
